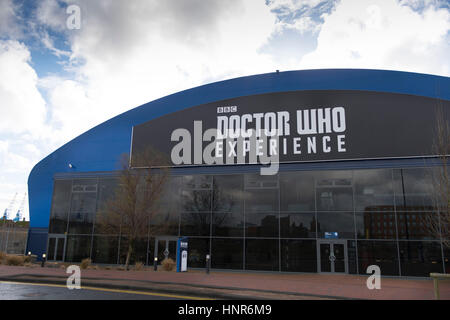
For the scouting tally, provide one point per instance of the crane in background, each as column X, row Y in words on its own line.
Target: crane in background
column 9, row 209
column 20, row 211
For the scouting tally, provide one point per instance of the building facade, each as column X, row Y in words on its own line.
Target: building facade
column 354, row 183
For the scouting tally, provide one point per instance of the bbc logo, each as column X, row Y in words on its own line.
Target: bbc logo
column 227, row 109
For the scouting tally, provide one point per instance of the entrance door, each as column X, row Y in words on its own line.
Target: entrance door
column 165, row 247
column 332, row 256
column 55, row 247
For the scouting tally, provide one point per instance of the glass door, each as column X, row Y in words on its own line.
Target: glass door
column 332, row 256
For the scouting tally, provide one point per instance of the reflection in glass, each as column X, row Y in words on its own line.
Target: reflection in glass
column 373, row 189
column 229, row 224
column 228, row 212
column 198, row 249
column 297, row 191
column 83, row 206
column 195, row 223
column 340, row 222
column 227, row 194
column 419, row 258
column 227, row 253
column 261, row 225
column 261, row 254
column 380, row 253
column 413, row 189
column 298, row 225
column 262, row 200
column 60, row 206
column 105, row 249
column 106, row 191
column 298, row 255
column 78, row 248
column 376, row 224
column 138, row 251
column 334, row 190
column 415, row 225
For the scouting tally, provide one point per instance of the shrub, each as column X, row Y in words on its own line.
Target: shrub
column 2, row 256
column 85, row 263
column 27, row 259
column 14, row 260
column 139, row 266
column 168, row 264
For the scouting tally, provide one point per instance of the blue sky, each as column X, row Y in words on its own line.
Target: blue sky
column 56, row 83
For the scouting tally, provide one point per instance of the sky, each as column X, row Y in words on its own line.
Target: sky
column 57, row 81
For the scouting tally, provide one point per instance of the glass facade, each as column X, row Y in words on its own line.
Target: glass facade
column 273, row 223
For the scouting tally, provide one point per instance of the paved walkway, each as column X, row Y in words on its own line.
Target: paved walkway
column 240, row 285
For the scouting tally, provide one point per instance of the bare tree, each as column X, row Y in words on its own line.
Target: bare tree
column 439, row 223
column 136, row 198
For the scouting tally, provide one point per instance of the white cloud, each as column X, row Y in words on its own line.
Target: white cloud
column 126, row 55
column 22, row 108
column 383, row 35
column 9, row 24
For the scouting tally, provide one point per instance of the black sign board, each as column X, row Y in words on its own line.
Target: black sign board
column 306, row 125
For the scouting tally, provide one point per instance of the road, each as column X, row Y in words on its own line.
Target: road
column 32, row 291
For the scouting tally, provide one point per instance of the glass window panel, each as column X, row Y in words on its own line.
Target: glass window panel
column 373, row 189
column 334, row 190
column 413, row 189
column 105, row 249
column 138, row 252
column 261, row 254
column 261, row 225
column 298, row 225
column 380, row 253
column 227, row 253
column 376, row 224
column 60, row 206
column 82, row 212
column 297, row 191
column 106, row 190
column 416, row 225
column 228, row 193
column 196, row 200
column 420, row 258
column 351, row 254
column 170, row 200
column 166, row 219
column 262, row 200
column 340, row 222
column 197, row 182
column 195, row 223
column 447, row 257
column 51, row 249
column 228, row 224
column 257, row 181
column 298, row 255
column 197, row 251
column 165, row 223
column 78, row 248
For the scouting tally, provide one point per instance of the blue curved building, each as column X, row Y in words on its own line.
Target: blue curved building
column 354, row 183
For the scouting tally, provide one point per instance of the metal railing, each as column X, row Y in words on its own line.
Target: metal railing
column 436, row 277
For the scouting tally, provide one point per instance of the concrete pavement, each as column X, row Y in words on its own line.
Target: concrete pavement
column 238, row 285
